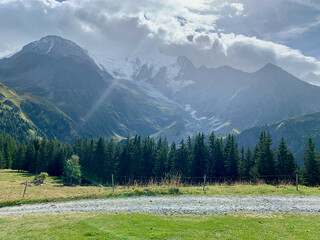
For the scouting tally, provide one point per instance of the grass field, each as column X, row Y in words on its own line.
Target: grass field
column 144, row 226
column 11, row 190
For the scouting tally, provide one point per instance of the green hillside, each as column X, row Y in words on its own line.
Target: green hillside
column 96, row 103
column 24, row 116
column 294, row 130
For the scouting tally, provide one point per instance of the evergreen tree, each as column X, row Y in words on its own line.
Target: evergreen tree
column 231, row 157
column 31, row 158
column 100, row 157
column 211, row 171
column 311, row 167
column 172, row 167
column 265, row 161
column 9, row 150
column 125, row 161
column 181, row 164
column 220, row 168
column 136, row 157
column 19, row 160
column 2, row 160
column 199, row 160
column 42, row 160
column 78, row 147
column 248, row 170
column 148, row 157
column 52, row 151
column 286, row 164
column 86, row 161
column 111, row 160
column 189, row 155
column 161, row 158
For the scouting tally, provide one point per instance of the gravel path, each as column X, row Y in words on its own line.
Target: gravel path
column 176, row 205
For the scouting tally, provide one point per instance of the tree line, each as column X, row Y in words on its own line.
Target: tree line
column 143, row 158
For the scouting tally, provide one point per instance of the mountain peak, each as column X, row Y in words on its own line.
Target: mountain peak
column 55, row 46
column 272, row 69
column 271, row 66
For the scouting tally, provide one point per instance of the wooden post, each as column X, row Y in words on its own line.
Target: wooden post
column 297, row 182
column 25, row 188
column 112, row 183
column 204, row 181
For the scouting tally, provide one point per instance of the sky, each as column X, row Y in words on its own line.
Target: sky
column 244, row 34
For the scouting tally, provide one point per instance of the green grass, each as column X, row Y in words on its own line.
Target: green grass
column 144, row 226
column 11, row 190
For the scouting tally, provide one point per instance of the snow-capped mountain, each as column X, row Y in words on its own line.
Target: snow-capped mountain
column 154, row 94
column 56, row 46
column 63, row 73
column 147, row 68
column 219, row 99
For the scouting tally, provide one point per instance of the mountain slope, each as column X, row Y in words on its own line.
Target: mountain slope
column 271, row 96
column 64, row 74
column 222, row 99
column 295, row 131
column 24, row 116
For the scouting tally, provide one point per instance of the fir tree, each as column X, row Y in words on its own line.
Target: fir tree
column 181, row 164
column 265, row 161
column 100, row 157
column 286, row 164
column 19, row 160
column 220, row 168
column 199, row 160
column 211, row 171
column 172, row 167
column 311, row 167
column 231, row 157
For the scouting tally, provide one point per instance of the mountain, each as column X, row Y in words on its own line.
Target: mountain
column 24, row 116
column 224, row 99
column 64, row 74
column 295, row 131
column 154, row 95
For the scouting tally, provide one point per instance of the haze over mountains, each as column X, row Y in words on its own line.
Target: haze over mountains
column 159, row 96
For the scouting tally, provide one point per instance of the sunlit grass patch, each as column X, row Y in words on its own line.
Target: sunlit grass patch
column 12, row 190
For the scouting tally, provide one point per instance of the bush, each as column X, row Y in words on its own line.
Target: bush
column 41, row 177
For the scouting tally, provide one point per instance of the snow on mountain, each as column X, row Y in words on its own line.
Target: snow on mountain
column 144, row 68
column 56, row 46
column 129, row 67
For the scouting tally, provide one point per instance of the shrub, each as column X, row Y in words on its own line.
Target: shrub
column 41, row 177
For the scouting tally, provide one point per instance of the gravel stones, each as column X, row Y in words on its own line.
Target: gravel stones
column 175, row 205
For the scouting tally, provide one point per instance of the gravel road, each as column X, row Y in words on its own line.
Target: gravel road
column 175, row 205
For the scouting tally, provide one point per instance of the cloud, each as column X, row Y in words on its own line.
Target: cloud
column 245, row 53
column 240, row 33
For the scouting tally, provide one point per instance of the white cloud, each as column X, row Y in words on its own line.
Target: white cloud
column 178, row 27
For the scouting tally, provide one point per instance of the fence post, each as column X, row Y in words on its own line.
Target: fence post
column 204, row 181
column 112, row 183
column 25, row 188
column 297, row 182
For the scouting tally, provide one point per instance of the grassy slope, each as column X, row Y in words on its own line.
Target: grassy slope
column 11, row 190
column 295, row 131
column 29, row 116
column 144, row 226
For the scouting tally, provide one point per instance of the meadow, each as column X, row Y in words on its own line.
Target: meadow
column 145, row 226
column 12, row 190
